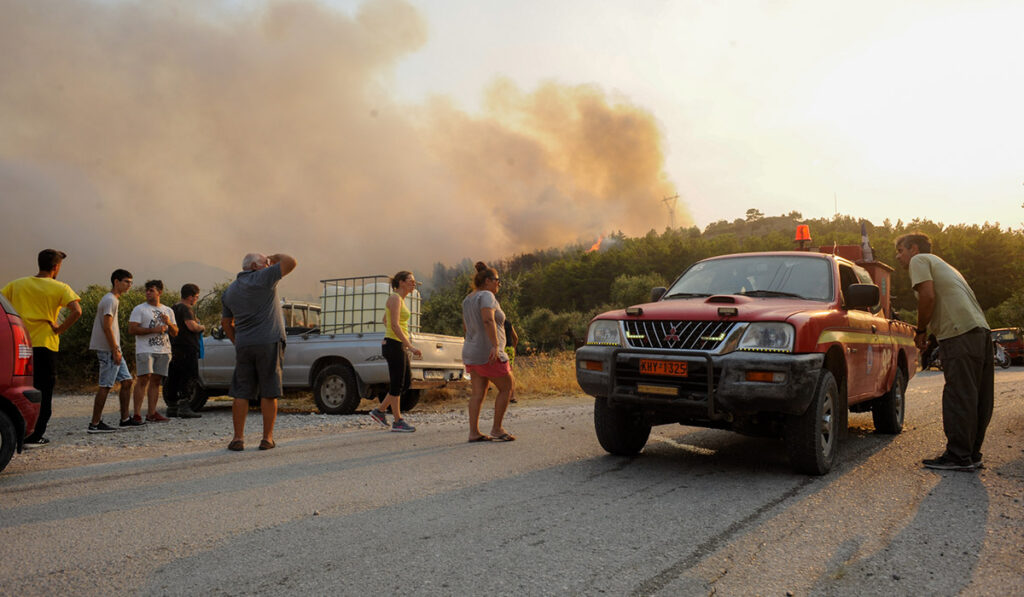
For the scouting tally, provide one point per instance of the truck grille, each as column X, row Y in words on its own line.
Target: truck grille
column 677, row 335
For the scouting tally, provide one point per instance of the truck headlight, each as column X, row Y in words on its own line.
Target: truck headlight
column 768, row 336
column 604, row 332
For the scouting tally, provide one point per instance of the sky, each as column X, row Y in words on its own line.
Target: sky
column 372, row 136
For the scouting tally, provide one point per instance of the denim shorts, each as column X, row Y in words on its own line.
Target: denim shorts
column 152, row 362
column 110, row 372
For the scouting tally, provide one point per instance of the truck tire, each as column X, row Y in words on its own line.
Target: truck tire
column 888, row 411
column 410, row 399
column 197, row 395
column 620, row 431
column 335, row 391
column 812, row 439
column 8, row 440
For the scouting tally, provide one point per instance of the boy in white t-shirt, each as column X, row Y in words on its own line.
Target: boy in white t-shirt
column 106, row 341
column 151, row 323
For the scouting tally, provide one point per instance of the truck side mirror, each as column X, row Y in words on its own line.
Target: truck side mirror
column 657, row 292
column 862, row 296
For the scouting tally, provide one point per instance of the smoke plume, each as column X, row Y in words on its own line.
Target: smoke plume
column 143, row 135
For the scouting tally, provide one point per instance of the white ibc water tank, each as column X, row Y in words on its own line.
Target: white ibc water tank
column 350, row 307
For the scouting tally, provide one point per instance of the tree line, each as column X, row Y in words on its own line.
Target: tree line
column 551, row 295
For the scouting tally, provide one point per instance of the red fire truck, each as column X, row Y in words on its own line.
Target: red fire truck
column 777, row 343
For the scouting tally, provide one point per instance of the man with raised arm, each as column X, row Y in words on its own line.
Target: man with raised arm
column 252, row 319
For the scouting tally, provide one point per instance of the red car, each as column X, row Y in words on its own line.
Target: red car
column 1012, row 341
column 19, row 401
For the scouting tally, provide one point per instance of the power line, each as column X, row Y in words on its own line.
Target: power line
column 670, row 205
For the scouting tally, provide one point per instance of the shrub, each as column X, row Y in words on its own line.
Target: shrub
column 77, row 364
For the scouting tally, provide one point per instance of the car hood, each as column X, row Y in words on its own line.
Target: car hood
column 707, row 308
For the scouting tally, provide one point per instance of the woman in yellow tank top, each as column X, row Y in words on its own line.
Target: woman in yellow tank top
column 395, row 350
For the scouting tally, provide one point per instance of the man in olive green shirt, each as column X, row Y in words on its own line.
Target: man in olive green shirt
column 947, row 307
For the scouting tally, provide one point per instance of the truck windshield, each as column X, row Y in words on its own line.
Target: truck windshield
column 758, row 275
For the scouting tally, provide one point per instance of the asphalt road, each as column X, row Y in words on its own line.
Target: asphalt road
column 367, row 512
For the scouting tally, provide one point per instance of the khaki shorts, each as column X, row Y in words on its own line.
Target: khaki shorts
column 152, row 362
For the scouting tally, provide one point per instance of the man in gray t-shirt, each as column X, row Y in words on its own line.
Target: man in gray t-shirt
column 252, row 320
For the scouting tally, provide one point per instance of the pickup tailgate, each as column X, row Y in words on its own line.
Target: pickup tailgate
column 441, row 361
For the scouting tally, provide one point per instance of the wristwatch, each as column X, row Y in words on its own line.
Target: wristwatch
column 922, row 331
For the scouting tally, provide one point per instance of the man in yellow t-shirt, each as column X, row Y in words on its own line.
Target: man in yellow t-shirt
column 39, row 300
column 947, row 307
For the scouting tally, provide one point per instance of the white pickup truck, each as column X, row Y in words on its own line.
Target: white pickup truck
column 333, row 349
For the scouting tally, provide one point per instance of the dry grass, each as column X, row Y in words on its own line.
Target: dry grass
column 545, row 374
column 537, row 376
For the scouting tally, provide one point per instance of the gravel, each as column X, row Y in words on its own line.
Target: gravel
column 297, row 417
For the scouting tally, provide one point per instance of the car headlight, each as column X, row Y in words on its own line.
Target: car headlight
column 768, row 336
column 604, row 332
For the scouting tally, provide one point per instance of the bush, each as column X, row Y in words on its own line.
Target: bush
column 1009, row 313
column 77, row 364
column 630, row 290
column 546, row 330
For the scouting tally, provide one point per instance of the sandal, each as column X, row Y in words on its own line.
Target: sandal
column 236, row 445
column 482, row 438
column 267, row 445
column 504, row 437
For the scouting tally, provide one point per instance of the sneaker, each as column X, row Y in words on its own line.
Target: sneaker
column 379, row 417
column 135, row 421
column 402, row 427
column 946, row 463
column 100, row 427
column 36, row 443
column 156, row 418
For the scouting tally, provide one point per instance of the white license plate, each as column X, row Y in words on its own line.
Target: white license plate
column 433, row 374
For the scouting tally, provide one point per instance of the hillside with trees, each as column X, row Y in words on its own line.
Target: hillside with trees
column 551, row 295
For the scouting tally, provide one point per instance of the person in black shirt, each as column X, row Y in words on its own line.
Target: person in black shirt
column 184, row 369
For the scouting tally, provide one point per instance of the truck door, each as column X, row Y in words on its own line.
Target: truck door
column 881, row 354
column 859, row 351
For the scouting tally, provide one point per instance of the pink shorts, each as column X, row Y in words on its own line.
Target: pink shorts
column 490, row 370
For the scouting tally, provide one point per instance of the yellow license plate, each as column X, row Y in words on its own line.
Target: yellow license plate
column 671, row 368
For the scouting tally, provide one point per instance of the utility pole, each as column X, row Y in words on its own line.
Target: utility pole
column 670, row 205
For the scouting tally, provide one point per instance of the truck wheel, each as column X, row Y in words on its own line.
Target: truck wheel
column 335, row 391
column 812, row 439
column 197, row 395
column 410, row 399
column 7, row 440
column 888, row 411
column 620, row 430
